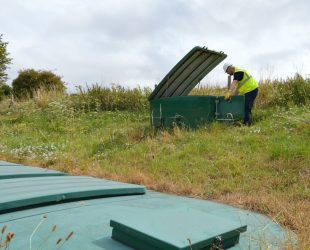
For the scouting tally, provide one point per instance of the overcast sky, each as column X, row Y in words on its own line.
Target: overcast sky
column 137, row 42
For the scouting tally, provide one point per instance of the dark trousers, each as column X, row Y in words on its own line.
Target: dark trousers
column 248, row 105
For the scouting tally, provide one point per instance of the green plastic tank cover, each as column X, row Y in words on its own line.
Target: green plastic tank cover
column 5, row 163
column 20, row 171
column 177, row 229
column 31, row 207
column 23, row 192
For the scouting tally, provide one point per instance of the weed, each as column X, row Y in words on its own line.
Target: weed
column 7, row 239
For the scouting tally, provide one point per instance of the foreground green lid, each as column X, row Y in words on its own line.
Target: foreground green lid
column 19, row 171
column 24, row 192
column 150, row 221
column 176, row 229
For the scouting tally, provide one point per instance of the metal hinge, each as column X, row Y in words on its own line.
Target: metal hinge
column 217, row 244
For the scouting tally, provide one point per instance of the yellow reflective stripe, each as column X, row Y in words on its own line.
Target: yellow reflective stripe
column 244, row 82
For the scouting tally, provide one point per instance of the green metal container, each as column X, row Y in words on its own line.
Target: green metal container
column 194, row 111
column 166, row 112
column 170, row 105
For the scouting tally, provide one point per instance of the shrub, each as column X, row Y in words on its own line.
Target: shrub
column 29, row 81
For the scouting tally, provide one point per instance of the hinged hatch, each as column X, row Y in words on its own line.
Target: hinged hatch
column 175, row 230
column 188, row 72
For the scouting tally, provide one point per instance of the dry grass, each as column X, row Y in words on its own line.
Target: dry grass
column 43, row 98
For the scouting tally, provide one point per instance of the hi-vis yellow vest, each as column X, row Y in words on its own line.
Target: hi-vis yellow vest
column 247, row 83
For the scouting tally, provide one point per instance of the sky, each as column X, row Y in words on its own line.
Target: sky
column 136, row 42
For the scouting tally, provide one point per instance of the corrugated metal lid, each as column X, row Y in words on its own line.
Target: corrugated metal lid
column 20, row 171
column 188, row 72
column 178, row 229
column 23, row 192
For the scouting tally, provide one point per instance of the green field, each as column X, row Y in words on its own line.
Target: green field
column 264, row 168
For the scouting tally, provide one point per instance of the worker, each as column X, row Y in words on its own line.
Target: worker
column 243, row 84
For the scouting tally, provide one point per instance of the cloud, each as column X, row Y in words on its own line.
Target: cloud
column 133, row 42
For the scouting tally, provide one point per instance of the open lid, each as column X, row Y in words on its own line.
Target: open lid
column 188, row 72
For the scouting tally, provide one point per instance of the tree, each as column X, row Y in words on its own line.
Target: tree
column 4, row 61
column 29, row 81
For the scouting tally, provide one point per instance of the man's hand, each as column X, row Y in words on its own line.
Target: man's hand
column 227, row 97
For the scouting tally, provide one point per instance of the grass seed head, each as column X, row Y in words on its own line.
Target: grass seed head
column 58, row 241
column 69, row 235
column 9, row 237
column 3, row 229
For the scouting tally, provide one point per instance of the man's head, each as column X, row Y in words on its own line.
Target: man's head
column 229, row 68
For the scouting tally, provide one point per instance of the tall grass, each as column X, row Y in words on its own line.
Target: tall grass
column 284, row 92
column 208, row 90
column 277, row 92
column 97, row 98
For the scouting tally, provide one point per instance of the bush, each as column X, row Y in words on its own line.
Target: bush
column 29, row 81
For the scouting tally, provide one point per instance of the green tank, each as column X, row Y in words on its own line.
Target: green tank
column 170, row 105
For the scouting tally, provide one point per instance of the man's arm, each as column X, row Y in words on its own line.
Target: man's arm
column 232, row 90
column 238, row 76
column 232, row 87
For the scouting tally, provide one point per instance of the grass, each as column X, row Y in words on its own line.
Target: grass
column 264, row 168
